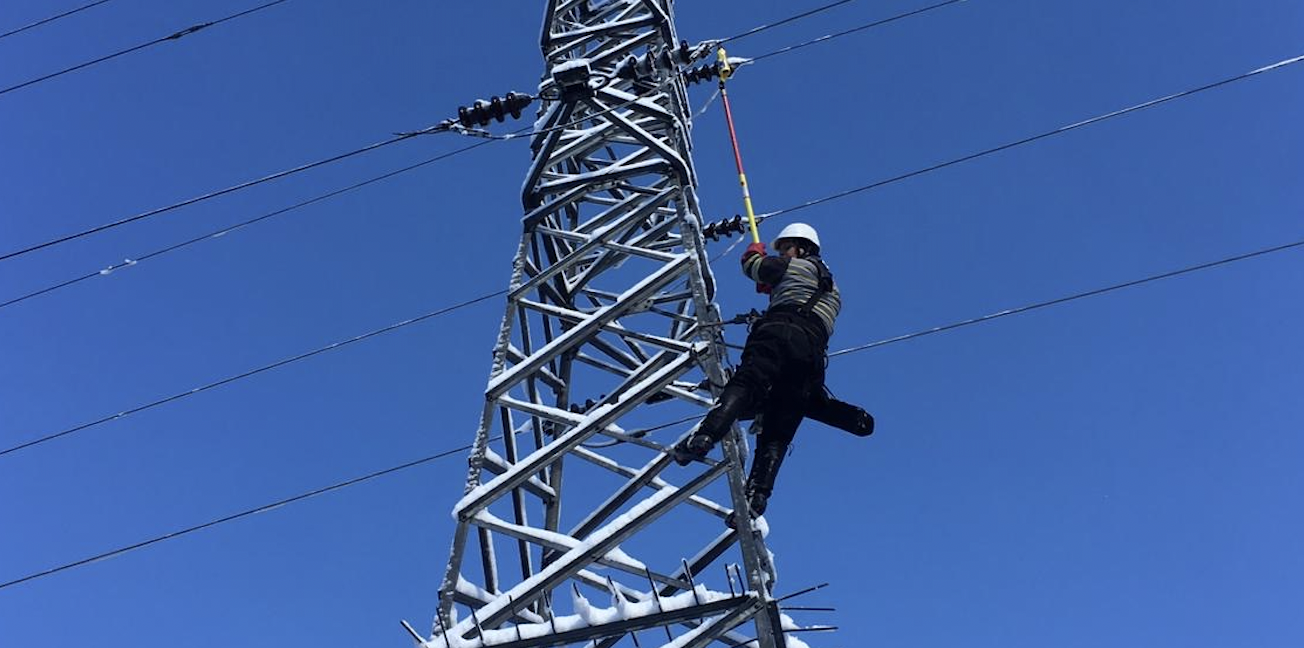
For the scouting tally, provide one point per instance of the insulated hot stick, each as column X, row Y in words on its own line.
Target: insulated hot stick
column 725, row 72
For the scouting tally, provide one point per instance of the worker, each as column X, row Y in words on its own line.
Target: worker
column 781, row 377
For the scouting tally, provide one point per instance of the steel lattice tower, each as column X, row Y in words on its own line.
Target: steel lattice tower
column 610, row 325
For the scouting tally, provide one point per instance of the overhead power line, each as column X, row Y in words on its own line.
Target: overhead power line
column 853, row 30
column 132, row 261
column 1028, row 140
column 645, row 431
column 231, row 518
column 806, row 14
column 51, row 19
column 805, row 205
column 443, row 127
column 136, row 48
column 252, row 372
column 214, row 194
column 1074, row 297
column 399, row 137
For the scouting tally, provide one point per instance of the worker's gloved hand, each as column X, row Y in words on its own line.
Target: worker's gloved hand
column 764, row 288
column 753, row 250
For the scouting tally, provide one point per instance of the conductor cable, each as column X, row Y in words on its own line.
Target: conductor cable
column 1073, row 297
column 644, row 431
column 51, row 19
column 253, row 372
column 133, row 261
column 231, row 518
column 221, row 192
column 136, row 48
column 1040, row 136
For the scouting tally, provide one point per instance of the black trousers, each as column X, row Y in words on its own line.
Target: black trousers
column 782, row 371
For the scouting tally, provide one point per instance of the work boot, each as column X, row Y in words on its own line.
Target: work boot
column 694, row 448
column 765, row 468
column 731, row 404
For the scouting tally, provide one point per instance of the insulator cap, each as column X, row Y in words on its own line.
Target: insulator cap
column 725, row 227
column 703, row 72
column 497, row 108
column 643, row 68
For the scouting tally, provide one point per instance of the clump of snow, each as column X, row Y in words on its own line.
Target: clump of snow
column 586, row 615
column 570, row 65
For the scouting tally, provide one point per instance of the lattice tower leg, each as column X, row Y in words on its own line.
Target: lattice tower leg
column 609, row 328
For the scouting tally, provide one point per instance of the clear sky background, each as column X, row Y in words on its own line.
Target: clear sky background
column 1116, row 471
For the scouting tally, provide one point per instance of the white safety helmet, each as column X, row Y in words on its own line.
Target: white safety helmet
column 797, row 231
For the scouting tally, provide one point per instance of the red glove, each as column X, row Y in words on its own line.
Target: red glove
column 753, row 250
column 764, row 288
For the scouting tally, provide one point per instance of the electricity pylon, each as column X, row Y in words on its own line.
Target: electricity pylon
column 610, row 327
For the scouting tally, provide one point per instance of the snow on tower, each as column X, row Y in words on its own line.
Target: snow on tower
column 576, row 528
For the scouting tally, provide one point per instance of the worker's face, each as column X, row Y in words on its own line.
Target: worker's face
column 789, row 250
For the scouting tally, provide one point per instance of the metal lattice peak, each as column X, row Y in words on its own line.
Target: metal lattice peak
column 576, row 528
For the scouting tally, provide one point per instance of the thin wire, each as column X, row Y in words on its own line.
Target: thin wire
column 1028, row 140
column 231, row 518
column 645, row 431
column 761, row 28
column 811, row 203
column 51, row 19
column 221, row 192
column 132, row 261
column 805, row 205
column 1074, row 297
column 444, row 127
column 829, row 37
column 252, row 372
column 171, row 37
column 521, row 132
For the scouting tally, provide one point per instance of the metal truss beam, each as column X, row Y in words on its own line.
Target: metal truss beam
column 609, row 329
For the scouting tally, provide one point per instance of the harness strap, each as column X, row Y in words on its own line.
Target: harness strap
column 825, row 285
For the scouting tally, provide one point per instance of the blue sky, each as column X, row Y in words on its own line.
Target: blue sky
column 1121, row 470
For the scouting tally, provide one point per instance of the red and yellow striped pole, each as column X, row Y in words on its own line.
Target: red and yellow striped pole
column 725, row 73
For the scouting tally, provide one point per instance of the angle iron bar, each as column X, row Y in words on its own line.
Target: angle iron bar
column 570, row 440
column 522, row 533
column 563, row 39
column 657, row 193
column 541, row 213
column 626, row 626
column 516, row 355
column 543, row 144
column 609, row 54
column 642, row 136
column 670, row 344
column 488, row 560
column 612, row 174
column 519, row 512
column 570, row 562
column 632, row 218
column 723, row 624
column 625, row 471
column 534, row 486
column 631, row 298
column 600, row 515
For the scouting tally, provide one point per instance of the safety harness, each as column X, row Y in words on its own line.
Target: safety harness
column 825, row 285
